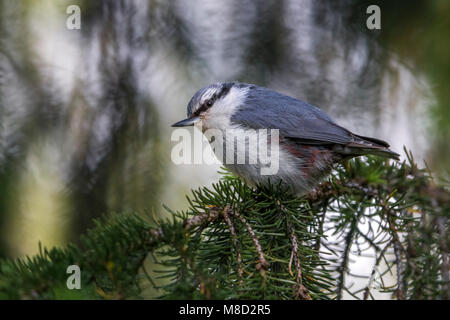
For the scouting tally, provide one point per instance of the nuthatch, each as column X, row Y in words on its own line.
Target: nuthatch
column 310, row 142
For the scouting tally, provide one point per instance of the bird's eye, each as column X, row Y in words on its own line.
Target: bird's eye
column 204, row 106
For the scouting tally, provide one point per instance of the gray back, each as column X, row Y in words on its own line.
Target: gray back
column 264, row 108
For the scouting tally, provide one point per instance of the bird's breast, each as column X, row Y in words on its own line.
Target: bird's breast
column 297, row 166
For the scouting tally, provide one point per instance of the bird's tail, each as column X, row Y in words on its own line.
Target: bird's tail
column 361, row 145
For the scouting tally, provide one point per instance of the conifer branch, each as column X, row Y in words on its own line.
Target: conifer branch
column 262, row 262
column 379, row 258
column 240, row 269
column 198, row 251
column 300, row 290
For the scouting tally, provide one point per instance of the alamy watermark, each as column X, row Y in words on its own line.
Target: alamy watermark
column 74, row 280
column 373, row 22
column 73, row 21
column 230, row 147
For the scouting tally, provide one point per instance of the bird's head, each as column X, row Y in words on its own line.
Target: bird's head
column 214, row 105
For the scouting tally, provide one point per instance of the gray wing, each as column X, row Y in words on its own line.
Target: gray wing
column 294, row 118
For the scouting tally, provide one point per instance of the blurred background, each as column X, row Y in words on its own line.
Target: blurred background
column 85, row 114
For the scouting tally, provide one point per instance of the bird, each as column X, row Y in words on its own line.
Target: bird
column 309, row 142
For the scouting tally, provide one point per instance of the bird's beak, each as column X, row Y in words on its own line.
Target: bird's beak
column 187, row 122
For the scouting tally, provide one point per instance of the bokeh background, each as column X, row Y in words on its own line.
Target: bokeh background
column 85, row 114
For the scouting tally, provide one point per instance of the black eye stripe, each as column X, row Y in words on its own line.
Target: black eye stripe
column 202, row 108
column 223, row 91
column 206, row 105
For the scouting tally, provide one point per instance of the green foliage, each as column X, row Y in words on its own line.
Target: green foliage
column 109, row 257
column 236, row 242
column 224, row 261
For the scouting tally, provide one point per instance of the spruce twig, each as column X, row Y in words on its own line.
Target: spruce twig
column 392, row 208
column 300, row 291
column 234, row 237
column 262, row 263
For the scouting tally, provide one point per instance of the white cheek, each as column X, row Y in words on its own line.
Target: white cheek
column 219, row 116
